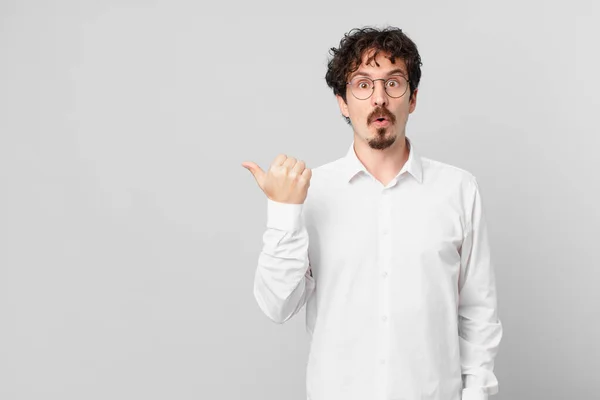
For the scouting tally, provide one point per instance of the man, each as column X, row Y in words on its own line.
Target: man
column 397, row 279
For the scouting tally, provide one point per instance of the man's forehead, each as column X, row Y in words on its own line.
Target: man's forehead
column 381, row 62
column 370, row 59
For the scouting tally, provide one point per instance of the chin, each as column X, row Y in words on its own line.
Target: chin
column 382, row 140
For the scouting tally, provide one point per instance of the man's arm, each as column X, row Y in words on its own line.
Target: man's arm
column 283, row 282
column 480, row 329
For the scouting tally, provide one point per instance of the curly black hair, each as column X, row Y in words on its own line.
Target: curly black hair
column 347, row 58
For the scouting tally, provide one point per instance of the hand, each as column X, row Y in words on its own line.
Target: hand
column 286, row 181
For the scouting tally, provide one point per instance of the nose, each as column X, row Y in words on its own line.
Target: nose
column 379, row 97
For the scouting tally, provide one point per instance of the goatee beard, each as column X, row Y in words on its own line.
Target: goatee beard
column 380, row 141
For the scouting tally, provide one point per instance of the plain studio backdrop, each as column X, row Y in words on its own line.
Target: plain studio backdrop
column 129, row 232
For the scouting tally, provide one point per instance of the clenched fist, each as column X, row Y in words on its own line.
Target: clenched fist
column 286, row 181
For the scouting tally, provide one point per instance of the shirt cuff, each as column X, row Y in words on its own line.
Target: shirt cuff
column 474, row 394
column 283, row 216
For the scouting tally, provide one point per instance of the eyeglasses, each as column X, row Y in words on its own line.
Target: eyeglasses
column 362, row 87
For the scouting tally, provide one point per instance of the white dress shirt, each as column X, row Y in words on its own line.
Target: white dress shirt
column 397, row 281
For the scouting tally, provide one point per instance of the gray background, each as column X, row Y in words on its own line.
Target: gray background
column 129, row 232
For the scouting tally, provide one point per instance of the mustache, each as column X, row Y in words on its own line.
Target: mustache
column 381, row 112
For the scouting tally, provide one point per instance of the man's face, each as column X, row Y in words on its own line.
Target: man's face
column 378, row 133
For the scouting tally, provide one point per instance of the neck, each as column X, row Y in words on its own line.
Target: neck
column 385, row 164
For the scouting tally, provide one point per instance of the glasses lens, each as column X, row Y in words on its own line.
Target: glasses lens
column 361, row 88
column 396, row 87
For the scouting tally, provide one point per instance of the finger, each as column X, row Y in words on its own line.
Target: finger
column 289, row 163
column 278, row 161
column 298, row 168
column 256, row 171
column 307, row 174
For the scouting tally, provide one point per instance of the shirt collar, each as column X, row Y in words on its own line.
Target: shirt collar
column 413, row 165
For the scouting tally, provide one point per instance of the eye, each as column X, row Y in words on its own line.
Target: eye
column 363, row 84
column 392, row 83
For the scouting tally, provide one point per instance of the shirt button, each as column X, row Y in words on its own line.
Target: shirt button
column 386, row 231
column 382, row 362
column 384, row 318
column 384, row 274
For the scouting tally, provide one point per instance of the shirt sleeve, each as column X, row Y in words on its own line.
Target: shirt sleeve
column 283, row 281
column 480, row 329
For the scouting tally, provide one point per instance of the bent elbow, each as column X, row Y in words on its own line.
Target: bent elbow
column 274, row 310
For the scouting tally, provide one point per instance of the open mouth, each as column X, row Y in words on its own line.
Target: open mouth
column 380, row 121
column 381, row 116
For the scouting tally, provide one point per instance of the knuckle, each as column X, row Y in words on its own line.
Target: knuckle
column 277, row 171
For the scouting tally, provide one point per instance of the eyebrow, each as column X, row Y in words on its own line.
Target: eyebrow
column 392, row 72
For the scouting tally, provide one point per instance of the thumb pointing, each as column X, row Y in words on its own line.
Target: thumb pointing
column 256, row 171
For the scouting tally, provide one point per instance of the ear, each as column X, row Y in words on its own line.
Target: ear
column 413, row 101
column 343, row 106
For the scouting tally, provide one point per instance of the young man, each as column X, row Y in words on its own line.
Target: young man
column 397, row 279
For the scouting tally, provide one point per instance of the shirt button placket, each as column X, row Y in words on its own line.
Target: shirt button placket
column 384, row 256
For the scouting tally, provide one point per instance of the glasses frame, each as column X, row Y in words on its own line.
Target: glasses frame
column 385, row 81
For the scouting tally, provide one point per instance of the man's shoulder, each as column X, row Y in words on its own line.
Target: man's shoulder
column 326, row 179
column 445, row 172
column 329, row 169
column 334, row 165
